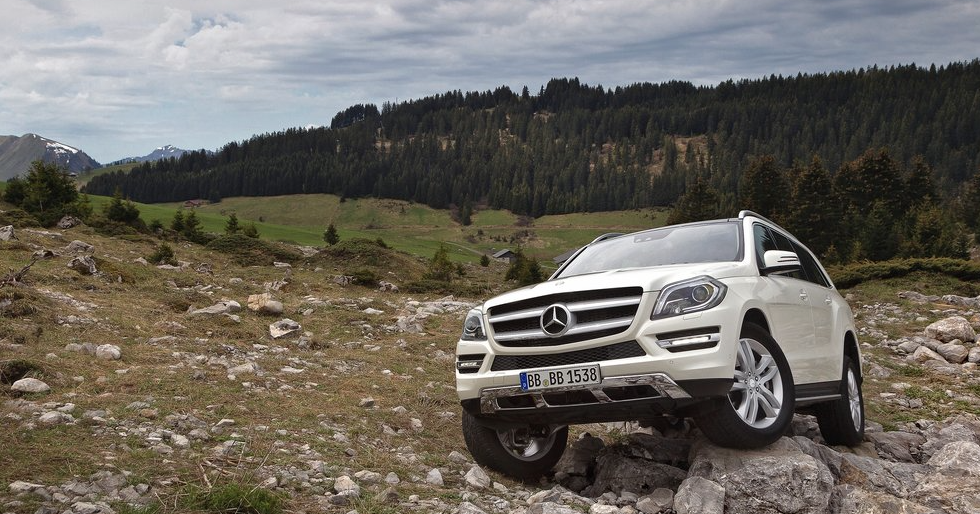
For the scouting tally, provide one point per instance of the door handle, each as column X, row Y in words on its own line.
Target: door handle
column 827, row 300
column 803, row 295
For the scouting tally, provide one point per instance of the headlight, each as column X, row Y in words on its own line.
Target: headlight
column 693, row 295
column 473, row 327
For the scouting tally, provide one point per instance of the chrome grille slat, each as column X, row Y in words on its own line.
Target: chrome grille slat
column 596, row 313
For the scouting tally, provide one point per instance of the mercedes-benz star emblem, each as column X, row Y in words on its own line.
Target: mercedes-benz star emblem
column 556, row 320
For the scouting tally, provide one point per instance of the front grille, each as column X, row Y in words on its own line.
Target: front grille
column 602, row 353
column 578, row 397
column 594, row 314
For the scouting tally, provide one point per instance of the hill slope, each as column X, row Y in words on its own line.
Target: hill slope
column 580, row 148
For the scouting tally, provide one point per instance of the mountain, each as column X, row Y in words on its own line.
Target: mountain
column 163, row 152
column 17, row 154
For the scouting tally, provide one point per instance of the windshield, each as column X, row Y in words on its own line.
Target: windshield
column 682, row 244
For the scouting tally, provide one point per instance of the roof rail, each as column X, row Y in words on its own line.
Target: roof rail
column 744, row 213
column 609, row 235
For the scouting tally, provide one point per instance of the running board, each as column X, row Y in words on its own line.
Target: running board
column 817, row 392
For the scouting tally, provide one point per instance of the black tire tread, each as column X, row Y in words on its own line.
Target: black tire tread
column 721, row 424
column 487, row 450
column 834, row 417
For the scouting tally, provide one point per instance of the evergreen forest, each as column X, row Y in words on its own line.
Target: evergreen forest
column 897, row 146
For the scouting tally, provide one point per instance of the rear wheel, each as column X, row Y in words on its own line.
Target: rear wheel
column 842, row 421
column 524, row 453
column 760, row 404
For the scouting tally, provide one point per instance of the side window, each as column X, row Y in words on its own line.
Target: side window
column 763, row 243
column 810, row 266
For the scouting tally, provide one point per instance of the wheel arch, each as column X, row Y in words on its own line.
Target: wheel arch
column 852, row 352
column 756, row 317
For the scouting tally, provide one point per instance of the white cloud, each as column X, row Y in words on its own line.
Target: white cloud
column 116, row 78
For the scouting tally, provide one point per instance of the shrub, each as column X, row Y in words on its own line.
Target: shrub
column 235, row 498
column 164, row 254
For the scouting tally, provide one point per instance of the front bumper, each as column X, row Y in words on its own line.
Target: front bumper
column 679, row 361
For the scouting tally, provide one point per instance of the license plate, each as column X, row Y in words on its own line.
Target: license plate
column 560, row 377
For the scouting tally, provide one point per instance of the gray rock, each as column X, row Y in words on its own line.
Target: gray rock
column 67, row 222
column 109, row 352
column 579, row 458
column 896, row 446
column 477, row 478
column 658, row 501
column 697, row 495
column 974, row 355
column 665, row 450
column 345, row 485
column 77, row 246
column 774, row 479
column 848, row 499
column 220, row 308
column 283, row 328
column 551, row 508
column 617, row 473
column 938, row 436
column 56, row 418
column 469, row 508
column 599, row 508
column 953, row 353
column 434, row 477
column 264, row 304
column 924, row 354
column 30, row 385
column 955, row 478
column 21, row 487
column 948, row 329
column 84, row 264
column 894, row 478
column 7, row 233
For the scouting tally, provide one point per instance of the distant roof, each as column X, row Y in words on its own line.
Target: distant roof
column 502, row 253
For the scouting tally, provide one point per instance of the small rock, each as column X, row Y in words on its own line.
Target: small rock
column 108, row 352
column 283, row 328
column 30, row 385
column 84, row 265
column 264, row 304
column 477, row 478
column 659, row 500
column 7, row 233
column 77, row 246
column 953, row 353
column 366, row 403
column 434, row 477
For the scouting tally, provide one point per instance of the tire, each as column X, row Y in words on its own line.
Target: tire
column 759, row 407
column 521, row 453
column 842, row 421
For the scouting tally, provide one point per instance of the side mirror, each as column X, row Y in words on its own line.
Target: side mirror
column 777, row 261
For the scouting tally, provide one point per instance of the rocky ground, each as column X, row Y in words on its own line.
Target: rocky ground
column 127, row 386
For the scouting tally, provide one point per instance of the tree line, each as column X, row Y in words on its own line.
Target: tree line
column 572, row 147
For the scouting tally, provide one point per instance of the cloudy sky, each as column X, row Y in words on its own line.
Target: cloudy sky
column 118, row 78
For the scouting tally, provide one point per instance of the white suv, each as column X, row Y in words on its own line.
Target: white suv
column 731, row 322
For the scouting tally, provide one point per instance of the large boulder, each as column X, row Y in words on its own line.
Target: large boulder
column 954, row 481
column 776, row 479
column 948, row 329
column 615, row 472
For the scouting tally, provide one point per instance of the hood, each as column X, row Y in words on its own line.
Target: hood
column 650, row 279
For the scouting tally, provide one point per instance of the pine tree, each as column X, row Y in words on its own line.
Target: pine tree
column 330, row 235
column 232, row 226
column 815, row 215
column 763, row 188
column 700, row 202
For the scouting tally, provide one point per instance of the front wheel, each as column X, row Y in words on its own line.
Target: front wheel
column 522, row 453
column 842, row 421
column 760, row 404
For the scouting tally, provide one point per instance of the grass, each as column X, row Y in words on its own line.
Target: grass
column 406, row 226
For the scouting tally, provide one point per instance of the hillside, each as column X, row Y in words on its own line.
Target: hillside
column 166, row 397
column 17, row 154
column 573, row 147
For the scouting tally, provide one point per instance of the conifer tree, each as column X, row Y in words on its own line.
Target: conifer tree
column 815, row 215
column 763, row 188
column 700, row 202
